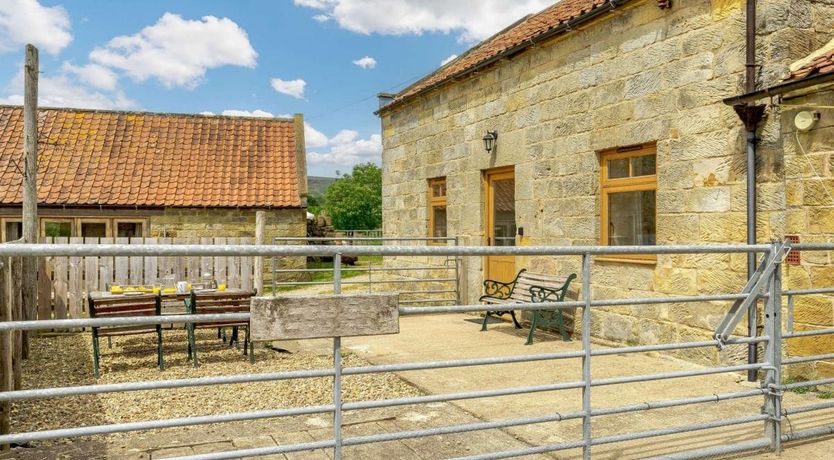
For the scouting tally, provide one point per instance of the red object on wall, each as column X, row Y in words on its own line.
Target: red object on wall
column 794, row 257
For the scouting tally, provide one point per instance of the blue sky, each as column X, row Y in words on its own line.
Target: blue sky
column 326, row 59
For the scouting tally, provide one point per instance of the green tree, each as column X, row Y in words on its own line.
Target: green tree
column 354, row 201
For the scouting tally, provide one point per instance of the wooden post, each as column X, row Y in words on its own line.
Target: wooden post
column 30, row 187
column 6, row 351
column 260, row 230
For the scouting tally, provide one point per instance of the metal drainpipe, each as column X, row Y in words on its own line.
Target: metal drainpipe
column 751, row 121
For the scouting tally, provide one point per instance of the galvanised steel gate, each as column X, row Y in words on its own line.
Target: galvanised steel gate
column 423, row 283
column 767, row 289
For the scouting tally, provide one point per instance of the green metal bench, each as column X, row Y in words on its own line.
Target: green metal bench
column 214, row 303
column 528, row 287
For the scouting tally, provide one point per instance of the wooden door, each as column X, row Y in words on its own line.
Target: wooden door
column 500, row 222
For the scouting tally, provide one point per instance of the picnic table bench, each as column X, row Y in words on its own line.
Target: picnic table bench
column 529, row 287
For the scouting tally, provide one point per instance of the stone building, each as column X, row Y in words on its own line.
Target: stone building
column 104, row 174
column 609, row 128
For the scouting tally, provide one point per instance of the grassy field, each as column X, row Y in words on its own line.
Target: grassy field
column 348, row 271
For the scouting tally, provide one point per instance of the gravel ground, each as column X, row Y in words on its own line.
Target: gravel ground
column 67, row 360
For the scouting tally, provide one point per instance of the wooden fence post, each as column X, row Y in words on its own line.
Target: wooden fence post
column 15, row 300
column 6, row 350
column 30, row 187
column 260, row 230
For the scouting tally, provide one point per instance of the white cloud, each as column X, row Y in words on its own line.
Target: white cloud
column 246, row 113
column 347, row 149
column 177, row 51
column 321, row 18
column 63, row 90
column 294, row 88
column 93, row 74
column 470, row 19
column 27, row 21
column 314, row 138
column 366, row 62
column 448, row 60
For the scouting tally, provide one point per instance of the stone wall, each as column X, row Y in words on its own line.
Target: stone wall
column 644, row 75
column 233, row 222
column 810, row 215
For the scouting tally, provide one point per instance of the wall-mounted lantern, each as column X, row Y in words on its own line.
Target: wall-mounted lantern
column 489, row 140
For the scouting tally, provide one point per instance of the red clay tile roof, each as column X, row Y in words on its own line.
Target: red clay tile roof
column 516, row 35
column 90, row 157
column 821, row 64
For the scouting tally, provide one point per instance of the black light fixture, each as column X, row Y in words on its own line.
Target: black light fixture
column 489, row 140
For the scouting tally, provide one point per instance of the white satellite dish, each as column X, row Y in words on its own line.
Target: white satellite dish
column 806, row 119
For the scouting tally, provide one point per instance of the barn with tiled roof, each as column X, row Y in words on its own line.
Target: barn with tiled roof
column 131, row 174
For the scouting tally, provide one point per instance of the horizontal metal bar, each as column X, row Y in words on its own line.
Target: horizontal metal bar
column 678, row 402
column 808, row 408
column 805, row 359
column 812, row 246
column 677, row 374
column 362, row 238
column 313, row 283
column 716, row 451
column 422, row 301
column 362, row 269
column 492, row 360
column 42, row 393
column 809, row 433
column 150, row 250
column 805, row 384
column 428, row 291
column 675, row 346
column 616, row 438
column 358, row 405
column 793, row 292
column 568, row 304
column 155, row 424
column 47, row 324
column 259, row 451
column 794, row 335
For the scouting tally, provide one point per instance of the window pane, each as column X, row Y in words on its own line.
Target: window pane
column 128, row 229
column 643, row 166
column 93, row 229
column 14, row 231
column 58, row 229
column 618, row 168
column 439, row 216
column 438, row 189
column 503, row 217
column 631, row 218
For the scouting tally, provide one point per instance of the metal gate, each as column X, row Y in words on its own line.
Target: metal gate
column 766, row 288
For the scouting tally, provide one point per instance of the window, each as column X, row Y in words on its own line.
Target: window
column 57, row 228
column 437, row 208
column 131, row 229
column 628, row 182
column 94, row 228
column 12, row 230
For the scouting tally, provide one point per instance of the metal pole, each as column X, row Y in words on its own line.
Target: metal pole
column 260, row 229
column 586, row 359
column 337, row 367
column 773, row 353
column 752, row 316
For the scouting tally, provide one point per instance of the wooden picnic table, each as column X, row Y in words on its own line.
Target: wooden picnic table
column 173, row 303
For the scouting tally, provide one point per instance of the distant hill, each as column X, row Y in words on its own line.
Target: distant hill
column 317, row 185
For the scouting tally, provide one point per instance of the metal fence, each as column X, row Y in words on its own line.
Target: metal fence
column 418, row 283
column 766, row 288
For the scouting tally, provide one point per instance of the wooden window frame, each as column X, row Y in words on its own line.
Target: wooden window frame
column 627, row 184
column 5, row 221
column 144, row 222
column 79, row 221
column 44, row 220
column 433, row 202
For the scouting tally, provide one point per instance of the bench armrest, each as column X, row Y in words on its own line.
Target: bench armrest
column 498, row 289
column 544, row 294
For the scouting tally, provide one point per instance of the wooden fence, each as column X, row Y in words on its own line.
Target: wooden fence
column 63, row 282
